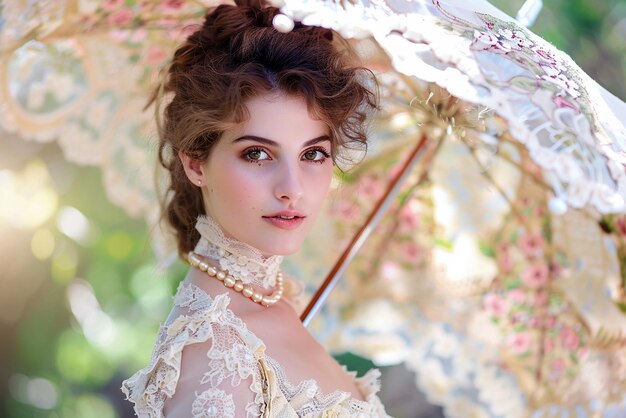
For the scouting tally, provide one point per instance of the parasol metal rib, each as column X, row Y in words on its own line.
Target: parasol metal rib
column 359, row 238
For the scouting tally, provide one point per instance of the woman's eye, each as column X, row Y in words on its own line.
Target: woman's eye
column 317, row 155
column 256, row 154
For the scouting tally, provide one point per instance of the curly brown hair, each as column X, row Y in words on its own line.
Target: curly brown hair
column 234, row 56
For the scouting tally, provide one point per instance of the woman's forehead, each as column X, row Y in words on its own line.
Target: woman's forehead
column 280, row 118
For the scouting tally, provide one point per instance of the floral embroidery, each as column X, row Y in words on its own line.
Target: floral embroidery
column 213, row 403
column 540, row 323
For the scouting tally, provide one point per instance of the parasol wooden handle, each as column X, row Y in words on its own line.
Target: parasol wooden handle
column 359, row 238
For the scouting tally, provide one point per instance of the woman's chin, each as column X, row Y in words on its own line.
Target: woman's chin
column 282, row 248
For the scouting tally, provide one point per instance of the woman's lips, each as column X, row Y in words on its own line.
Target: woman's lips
column 284, row 223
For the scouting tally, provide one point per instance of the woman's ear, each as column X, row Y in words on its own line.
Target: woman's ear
column 193, row 168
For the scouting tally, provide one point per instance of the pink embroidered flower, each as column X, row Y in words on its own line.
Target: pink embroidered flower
column 570, row 338
column 517, row 295
column 534, row 322
column 544, row 56
column 541, row 211
column 166, row 23
column 561, row 102
column 549, row 322
column 489, row 41
column 495, row 305
column 541, row 298
column 532, row 245
column 503, row 47
column 520, row 343
column 409, row 219
column 119, row 35
column 182, row 32
column 536, row 275
column 564, row 83
column 583, row 353
column 516, row 39
column 122, row 17
column 348, row 211
column 112, row 4
column 156, row 55
column 504, row 258
column 139, row 35
column 558, row 365
column 556, row 270
column 173, row 4
column 552, row 69
column 484, row 40
column 620, row 225
column 525, row 201
column 370, row 187
column 412, row 251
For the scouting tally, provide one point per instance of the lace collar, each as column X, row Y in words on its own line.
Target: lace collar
column 240, row 259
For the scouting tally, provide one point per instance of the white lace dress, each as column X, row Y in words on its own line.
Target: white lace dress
column 235, row 361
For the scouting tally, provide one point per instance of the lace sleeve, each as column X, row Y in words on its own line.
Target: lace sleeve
column 205, row 364
column 218, row 378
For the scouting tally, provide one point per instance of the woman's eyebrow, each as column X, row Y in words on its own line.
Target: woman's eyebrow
column 275, row 144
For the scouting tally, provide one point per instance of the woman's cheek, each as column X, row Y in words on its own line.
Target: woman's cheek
column 318, row 188
column 243, row 185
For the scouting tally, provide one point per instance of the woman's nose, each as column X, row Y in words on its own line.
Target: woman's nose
column 288, row 186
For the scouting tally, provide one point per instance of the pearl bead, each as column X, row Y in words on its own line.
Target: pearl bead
column 247, row 291
column 229, row 281
column 193, row 260
column 283, row 23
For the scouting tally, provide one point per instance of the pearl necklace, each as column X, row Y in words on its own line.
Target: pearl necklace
column 229, row 281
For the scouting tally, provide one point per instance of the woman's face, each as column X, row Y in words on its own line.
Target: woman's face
column 266, row 179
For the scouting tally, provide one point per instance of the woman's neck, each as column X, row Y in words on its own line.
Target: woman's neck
column 241, row 260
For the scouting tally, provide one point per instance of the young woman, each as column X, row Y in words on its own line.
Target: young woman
column 256, row 121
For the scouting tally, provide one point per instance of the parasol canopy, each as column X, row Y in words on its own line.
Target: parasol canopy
column 503, row 301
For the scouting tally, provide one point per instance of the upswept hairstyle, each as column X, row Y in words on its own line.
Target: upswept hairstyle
column 234, row 56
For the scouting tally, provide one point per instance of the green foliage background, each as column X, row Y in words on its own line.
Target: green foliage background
column 50, row 366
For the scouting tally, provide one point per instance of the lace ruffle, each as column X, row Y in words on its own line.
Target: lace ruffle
column 150, row 387
column 240, row 259
column 236, row 354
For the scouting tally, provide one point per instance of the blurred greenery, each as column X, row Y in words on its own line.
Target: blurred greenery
column 79, row 311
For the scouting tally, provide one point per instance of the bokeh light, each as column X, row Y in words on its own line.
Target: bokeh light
column 26, row 198
column 38, row 391
column 42, row 244
column 64, row 263
column 73, row 223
